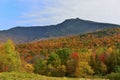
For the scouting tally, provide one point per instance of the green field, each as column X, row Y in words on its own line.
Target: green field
column 31, row 76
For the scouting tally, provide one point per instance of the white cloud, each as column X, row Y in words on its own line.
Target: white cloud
column 44, row 12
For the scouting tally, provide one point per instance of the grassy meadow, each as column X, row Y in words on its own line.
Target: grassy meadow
column 32, row 76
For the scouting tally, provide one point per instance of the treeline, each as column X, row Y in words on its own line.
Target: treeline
column 63, row 61
column 84, row 63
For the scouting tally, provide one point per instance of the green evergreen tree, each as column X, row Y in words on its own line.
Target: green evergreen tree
column 40, row 66
column 64, row 55
column 54, row 60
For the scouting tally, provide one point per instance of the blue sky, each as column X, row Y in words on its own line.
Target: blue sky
column 47, row 12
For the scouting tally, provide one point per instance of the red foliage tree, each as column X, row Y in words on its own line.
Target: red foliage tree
column 75, row 55
column 102, row 57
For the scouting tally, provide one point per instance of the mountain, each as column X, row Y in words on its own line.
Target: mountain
column 68, row 27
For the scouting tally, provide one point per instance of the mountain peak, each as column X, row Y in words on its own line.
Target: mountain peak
column 73, row 19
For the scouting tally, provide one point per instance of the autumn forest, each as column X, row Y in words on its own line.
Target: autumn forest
column 90, row 55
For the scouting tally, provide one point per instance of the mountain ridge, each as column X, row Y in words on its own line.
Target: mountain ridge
column 67, row 20
column 22, row 34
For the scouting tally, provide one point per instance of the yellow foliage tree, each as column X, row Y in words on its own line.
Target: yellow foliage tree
column 10, row 58
column 83, row 70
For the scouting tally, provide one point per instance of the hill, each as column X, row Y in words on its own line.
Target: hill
column 103, row 38
column 86, row 55
column 68, row 27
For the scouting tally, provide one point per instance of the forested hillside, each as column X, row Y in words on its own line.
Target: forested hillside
column 84, row 55
column 105, row 38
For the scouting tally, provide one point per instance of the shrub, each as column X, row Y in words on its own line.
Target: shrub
column 59, row 71
column 19, row 76
column 113, row 76
column 29, row 68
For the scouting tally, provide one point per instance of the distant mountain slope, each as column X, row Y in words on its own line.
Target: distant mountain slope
column 103, row 38
column 68, row 27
